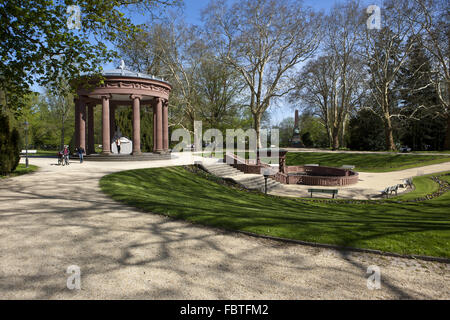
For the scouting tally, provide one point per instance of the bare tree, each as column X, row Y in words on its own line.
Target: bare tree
column 263, row 40
column 172, row 50
column 386, row 51
column 331, row 85
column 434, row 16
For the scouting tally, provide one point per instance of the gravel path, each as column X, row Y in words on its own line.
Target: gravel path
column 58, row 217
column 369, row 184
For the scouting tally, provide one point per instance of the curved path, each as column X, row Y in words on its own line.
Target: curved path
column 58, row 217
column 369, row 184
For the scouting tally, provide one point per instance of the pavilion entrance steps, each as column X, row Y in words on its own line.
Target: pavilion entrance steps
column 129, row 157
column 249, row 181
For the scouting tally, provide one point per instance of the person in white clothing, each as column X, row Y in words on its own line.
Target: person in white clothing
column 118, row 145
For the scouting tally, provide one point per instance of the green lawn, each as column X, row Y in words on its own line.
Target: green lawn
column 365, row 162
column 405, row 228
column 20, row 170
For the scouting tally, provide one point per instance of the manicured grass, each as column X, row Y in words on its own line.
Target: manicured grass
column 405, row 228
column 365, row 162
column 20, row 170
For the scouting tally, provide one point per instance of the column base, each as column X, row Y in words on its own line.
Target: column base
column 105, row 153
column 136, row 153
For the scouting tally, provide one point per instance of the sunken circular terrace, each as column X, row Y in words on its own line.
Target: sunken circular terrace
column 320, row 176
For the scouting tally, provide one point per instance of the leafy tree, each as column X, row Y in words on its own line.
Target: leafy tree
column 386, row 51
column 433, row 17
column 9, row 146
column 124, row 118
column 366, row 131
column 286, row 129
column 36, row 43
column 421, row 129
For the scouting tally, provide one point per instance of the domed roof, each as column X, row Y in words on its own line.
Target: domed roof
column 121, row 71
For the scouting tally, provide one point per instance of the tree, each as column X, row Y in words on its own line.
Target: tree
column 386, row 51
column 366, row 131
column 61, row 110
column 36, row 43
column 433, row 16
column 286, row 130
column 9, row 146
column 423, row 128
column 172, row 50
column 217, row 88
column 263, row 41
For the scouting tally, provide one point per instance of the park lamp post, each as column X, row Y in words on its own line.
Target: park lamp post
column 26, row 124
column 266, row 173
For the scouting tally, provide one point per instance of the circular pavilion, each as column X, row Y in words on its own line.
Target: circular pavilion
column 122, row 87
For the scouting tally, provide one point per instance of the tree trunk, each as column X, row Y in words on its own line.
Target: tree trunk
column 335, row 139
column 447, row 134
column 388, row 133
column 62, row 136
column 257, row 127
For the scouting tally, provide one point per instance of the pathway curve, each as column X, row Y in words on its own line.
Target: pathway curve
column 58, row 217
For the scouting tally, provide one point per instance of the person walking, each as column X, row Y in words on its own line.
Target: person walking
column 118, row 145
column 66, row 155
column 80, row 154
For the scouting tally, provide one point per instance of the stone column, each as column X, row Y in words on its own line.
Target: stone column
column 106, row 146
column 82, row 124
column 90, row 146
column 154, row 125
column 77, row 122
column 165, row 126
column 112, row 120
column 136, row 124
column 159, row 126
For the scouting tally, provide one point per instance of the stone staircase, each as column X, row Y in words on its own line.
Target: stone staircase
column 249, row 181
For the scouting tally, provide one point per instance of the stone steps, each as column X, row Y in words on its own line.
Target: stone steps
column 127, row 157
column 249, row 181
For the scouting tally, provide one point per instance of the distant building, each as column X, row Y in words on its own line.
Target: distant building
column 296, row 141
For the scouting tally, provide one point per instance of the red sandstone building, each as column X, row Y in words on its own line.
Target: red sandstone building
column 121, row 87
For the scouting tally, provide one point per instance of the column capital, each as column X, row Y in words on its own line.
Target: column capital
column 135, row 96
column 106, row 96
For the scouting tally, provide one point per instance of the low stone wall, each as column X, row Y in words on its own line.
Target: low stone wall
column 321, row 176
column 307, row 175
column 243, row 165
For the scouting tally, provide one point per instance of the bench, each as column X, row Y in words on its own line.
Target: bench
column 311, row 165
column 329, row 191
column 386, row 192
column 347, row 166
column 408, row 183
